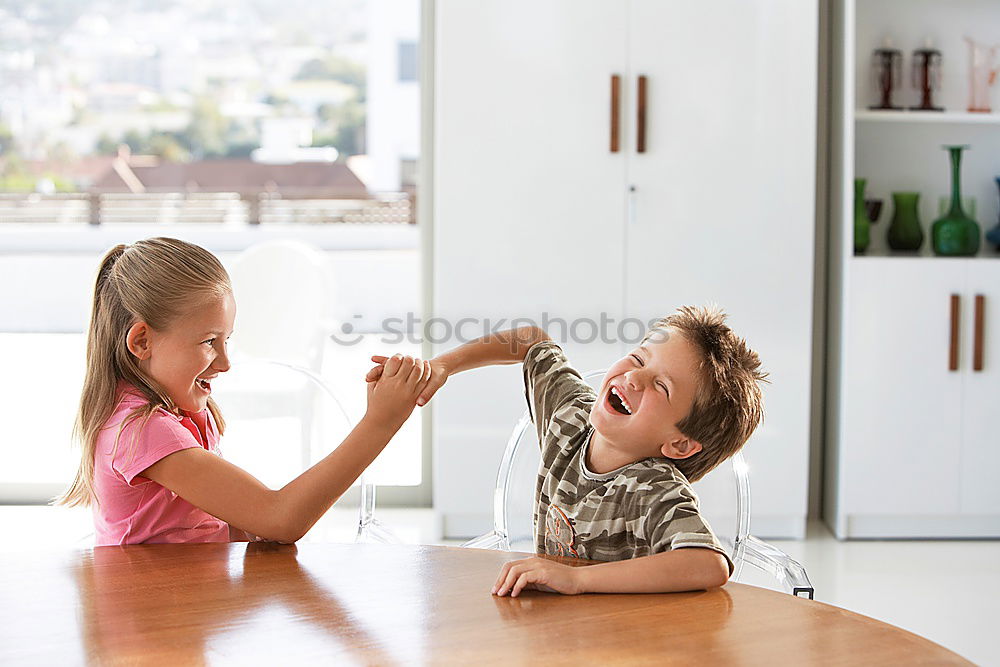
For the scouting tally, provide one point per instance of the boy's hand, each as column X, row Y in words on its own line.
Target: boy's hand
column 539, row 574
column 438, row 376
column 394, row 395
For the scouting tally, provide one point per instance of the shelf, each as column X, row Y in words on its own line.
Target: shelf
column 960, row 117
column 924, row 258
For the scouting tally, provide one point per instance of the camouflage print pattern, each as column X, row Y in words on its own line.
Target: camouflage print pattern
column 643, row 508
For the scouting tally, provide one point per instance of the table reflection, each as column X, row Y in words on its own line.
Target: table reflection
column 139, row 605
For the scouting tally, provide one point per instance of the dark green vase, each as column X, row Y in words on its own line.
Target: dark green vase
column 993, row 236
column 905, row 232
column 956, row 234
column 862, row 223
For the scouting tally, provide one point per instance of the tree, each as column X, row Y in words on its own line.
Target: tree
column 135, row 141
column 7, row 144
column 205, row 134
column 336, row 69
column 166, row 146
column 347, row 127
column 106, row 145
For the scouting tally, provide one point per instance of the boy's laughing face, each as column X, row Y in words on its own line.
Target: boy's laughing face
column 645, row 394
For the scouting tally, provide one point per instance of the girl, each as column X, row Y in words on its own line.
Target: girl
column 163, row 311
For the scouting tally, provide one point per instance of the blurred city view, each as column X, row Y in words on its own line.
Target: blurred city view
column 210, row 111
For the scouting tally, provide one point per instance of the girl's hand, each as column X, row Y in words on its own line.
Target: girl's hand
column 392, row 397
column 539, row 574
column 438, row 376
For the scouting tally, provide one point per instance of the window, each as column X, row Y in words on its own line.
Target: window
column 407, row 61
column 220, row 123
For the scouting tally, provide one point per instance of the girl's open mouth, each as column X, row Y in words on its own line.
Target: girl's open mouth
column 204, row 384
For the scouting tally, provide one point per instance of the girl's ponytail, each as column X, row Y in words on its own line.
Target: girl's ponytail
column 99, row 384
column 106, row 267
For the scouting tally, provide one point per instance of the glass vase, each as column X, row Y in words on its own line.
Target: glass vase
column 904, row 231
column 955, row 234
column 993, row 236
column 862, row 223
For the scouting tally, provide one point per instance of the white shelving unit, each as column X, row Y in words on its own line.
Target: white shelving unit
column 909, row 449
column 954, row 117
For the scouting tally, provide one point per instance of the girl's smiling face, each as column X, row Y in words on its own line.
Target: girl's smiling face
column 185, row 357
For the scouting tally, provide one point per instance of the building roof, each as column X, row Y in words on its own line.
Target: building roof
column 236, row 175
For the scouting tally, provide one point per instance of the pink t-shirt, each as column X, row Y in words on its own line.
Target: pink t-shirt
column 130, row 509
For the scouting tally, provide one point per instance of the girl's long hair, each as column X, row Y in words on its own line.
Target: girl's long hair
column 156, row 281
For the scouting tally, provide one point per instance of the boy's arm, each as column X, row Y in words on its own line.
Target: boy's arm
column 502, row 348
column 683, row 569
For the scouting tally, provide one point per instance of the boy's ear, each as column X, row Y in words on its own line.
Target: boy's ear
column 138, row 340
column 680, row 448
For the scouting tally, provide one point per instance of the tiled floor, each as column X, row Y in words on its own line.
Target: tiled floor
column 948, row 592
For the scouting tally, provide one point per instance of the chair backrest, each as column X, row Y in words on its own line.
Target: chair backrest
column 282, row 290
column 266, row 441
column 724, row 493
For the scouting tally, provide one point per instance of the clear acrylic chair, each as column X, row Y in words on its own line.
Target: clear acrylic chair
column 328, row 424
column 283, row 289
column 724, row 496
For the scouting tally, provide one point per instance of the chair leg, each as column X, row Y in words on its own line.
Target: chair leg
column 374, row 532
column 768, row 558
column 308, row 415
column 492, row 540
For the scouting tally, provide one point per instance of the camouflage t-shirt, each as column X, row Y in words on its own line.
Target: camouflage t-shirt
column 643, row 508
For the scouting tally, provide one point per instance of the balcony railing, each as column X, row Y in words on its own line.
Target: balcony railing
column 229, row 208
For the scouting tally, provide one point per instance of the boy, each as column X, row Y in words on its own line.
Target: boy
column 614, row 483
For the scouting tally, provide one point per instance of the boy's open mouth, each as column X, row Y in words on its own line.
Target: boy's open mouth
column 617, row 403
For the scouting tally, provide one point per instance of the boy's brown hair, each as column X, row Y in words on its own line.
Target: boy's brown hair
column 728, row 405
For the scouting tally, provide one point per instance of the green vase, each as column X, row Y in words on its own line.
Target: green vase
column 862, row 223
column 956, row 234
column 904, row 231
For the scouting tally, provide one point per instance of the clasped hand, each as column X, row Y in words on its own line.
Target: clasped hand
column 434, row 374
column 393, row 392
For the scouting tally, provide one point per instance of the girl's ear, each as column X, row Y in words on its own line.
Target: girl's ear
column 680, row 448
column 138, row 341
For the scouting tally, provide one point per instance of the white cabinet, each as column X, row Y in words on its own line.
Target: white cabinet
column 535, row 215
column 918, row 449
column 980, row 493
column 912, row 448
column 904, row 405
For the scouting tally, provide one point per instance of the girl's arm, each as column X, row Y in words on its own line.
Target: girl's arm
column 230, row 493
column 502, row 348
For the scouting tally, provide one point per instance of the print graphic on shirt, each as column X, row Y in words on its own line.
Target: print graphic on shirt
column 559, row 537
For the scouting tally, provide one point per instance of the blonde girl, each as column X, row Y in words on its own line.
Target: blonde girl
column 149, row 430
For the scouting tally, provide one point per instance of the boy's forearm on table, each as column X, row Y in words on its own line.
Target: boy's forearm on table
column 683, row 569
column 504, row 347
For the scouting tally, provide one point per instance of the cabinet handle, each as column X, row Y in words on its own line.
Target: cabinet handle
column 953, row 351
column 616, row 94
column 977, row 349
column 640, row 141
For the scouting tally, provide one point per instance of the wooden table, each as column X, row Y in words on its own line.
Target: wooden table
column 376, row 604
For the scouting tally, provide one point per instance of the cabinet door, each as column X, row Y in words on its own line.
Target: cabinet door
column 528, row 209
column 901, row 445
column 981, row 396
column 723, row 207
